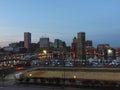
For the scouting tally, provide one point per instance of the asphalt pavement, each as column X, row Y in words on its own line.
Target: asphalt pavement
column 9, row 84
column 39, row 88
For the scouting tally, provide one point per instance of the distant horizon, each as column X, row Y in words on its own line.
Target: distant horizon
column 60, row 19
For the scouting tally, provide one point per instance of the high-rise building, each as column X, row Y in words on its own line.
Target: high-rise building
column 102, row 50
column 81, row 48
column 74, row 47
column 44, row 42
column 59, row 49
column 89, row 43
column 59, row 43
column 27, row 40
column 89, row 49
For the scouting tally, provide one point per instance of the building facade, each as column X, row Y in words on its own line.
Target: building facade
column 74, row 48
column 21, row 44
column 44, row 42
column 89, row 49
column 59, row 44
column 60, row 50
column 27, row 40
column 102, row 50
column 81, row 48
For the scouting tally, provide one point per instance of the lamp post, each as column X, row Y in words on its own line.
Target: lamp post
column 45, row 53
column 110, row 53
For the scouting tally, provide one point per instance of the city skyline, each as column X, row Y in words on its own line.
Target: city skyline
column 60, row 19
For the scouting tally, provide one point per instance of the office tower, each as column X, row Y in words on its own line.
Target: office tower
column 102, row 50
column 89, row 43
column 27, row 40
column 44, row 42
column 59, row 44
column 81, row 51
column 89, row 49
column 74, row 47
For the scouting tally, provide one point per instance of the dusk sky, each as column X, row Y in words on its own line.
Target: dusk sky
column 61, row 19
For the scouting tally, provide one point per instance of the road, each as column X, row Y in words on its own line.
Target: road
column 40, row 88
column 9, row 84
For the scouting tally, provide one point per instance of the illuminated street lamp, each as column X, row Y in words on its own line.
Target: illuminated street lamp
column 74, row 77
column 110, row 52
column 45, row 52
column 30, row 75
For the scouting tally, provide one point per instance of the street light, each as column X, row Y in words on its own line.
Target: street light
column 110, row 52
column 45, row 52
column 74, row 77
column 30, row 75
